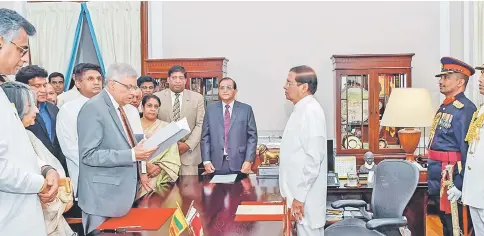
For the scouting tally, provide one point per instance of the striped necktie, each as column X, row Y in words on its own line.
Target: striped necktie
column 129, row 131
column 176, row 107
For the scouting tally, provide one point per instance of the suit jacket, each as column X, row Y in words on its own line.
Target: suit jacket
column 242, row 135
column 107, row 173
column 193, row 109
column 40, row 131
column 20, row 178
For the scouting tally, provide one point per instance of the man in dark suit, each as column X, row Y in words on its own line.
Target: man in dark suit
column 44, row 127
column 229, row 133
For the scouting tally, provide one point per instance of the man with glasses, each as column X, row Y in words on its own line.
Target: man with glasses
column 177, row 103
column 22, row 182
column 109, row 151
column 228, row 148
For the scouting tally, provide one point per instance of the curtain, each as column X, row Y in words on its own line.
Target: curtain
column 117, row 31
column 478, row 49
column 56, row 24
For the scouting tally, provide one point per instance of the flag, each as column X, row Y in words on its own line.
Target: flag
column 178, row 223
column 196, row 225
column 194, row 220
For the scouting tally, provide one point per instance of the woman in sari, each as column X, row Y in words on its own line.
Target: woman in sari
column 23, row 98
column 164, row 168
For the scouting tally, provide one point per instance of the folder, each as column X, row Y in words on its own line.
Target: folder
column 167, row 136
column 139, row 219
column 260, row 217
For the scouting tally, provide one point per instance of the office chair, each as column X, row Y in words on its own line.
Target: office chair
column 395, row 183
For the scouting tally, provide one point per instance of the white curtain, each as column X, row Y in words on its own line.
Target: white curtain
column 56, row 24
column 478, row 48
column 118, row 31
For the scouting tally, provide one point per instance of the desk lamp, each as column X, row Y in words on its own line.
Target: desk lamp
column 409, row 108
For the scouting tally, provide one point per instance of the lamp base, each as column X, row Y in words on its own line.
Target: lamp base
column 409, row 139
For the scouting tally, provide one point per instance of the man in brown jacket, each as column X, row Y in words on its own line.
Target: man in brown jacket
column 177, row 103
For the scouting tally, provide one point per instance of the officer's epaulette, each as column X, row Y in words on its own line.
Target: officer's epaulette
column 457, row 104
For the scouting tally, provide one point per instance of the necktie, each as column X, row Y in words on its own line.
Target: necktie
column 127, row 126
column 176, row 107
column 226, row 126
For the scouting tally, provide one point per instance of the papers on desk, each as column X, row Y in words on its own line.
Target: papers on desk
column 260, row 210
column 223, row 179
column 167, row 136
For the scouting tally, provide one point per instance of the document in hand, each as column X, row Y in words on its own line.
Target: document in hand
column 167, row 136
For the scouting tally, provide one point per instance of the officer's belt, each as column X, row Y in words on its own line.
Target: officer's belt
column 447, row 157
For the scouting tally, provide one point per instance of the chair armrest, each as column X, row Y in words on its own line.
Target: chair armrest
column 393, row 222
column 348, row 203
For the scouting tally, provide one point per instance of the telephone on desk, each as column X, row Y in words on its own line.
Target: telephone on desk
column 333, row 180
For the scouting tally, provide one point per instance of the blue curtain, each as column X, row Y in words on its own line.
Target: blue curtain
column 75, row 46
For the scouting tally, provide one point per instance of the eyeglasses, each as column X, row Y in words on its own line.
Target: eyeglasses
column 129, row 87
column 228, row 88
column 23, row 50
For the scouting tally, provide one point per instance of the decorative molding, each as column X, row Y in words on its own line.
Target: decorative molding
column 444, row 33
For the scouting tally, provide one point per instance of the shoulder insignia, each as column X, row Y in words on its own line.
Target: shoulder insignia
column 457, row 104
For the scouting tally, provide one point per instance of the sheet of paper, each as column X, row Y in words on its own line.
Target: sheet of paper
column 223, row 179
column 163, row 134
column 260, row 210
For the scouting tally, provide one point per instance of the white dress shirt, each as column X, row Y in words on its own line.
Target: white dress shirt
column 133, row 118
column 66, row 127
column 173, row 97
column 68, row 96
column 231, row 107
column 116, row 106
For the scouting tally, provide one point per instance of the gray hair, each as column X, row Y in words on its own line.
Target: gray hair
column 11, row 23
column 118, row 71
column 18, row 93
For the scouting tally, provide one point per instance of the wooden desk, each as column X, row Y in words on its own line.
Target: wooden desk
column 217, row 204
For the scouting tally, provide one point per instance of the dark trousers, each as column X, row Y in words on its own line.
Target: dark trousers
column 446, row 219
column 225, row 169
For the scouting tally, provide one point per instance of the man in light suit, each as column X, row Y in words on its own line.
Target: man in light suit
column 108, row 151
column 22, row 182
column 229, row 133
column 176, row 103
column 303, row 162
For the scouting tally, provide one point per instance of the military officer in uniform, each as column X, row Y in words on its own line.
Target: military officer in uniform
column 473, row 189
column 447, row 145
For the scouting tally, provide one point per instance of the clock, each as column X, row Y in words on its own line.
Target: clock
column 382, row 143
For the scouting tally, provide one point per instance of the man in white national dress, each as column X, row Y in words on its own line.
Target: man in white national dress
column 303, row 162
column 472, row 189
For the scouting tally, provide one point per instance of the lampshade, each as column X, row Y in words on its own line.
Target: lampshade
column 408, row 108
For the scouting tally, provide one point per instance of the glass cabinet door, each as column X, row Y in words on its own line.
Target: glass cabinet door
column 354, row 112
column 388, row 136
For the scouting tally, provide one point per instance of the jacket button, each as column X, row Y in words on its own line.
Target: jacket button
column 469, row 167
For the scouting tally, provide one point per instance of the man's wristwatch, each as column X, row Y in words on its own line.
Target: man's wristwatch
column 46, row 170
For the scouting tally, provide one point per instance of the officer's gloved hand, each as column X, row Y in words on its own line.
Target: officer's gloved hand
column 454, row 194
